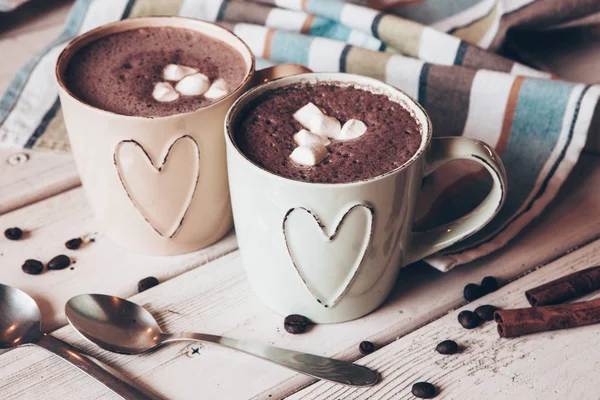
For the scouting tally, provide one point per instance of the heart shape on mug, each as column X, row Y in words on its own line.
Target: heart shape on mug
column 328, row 264
column 161, row 193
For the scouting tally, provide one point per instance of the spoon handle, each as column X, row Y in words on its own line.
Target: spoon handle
column 316, row 366
column 111, row 378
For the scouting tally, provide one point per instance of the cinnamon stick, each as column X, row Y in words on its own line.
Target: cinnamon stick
column 566, row 288
column 523, row 321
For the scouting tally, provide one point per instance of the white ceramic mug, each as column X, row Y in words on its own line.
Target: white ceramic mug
column 157, row 185
column 331, row 252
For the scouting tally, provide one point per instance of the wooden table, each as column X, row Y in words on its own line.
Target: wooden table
column 207, row 291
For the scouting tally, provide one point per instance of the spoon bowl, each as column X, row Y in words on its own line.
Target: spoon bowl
column 124, row 327
column 132, row 329
column 20, row 324
column 20, row 319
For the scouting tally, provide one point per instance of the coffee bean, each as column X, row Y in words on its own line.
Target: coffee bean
column 59, row 262
column 472, row 292
column 447, row 347
column 295, row 324
column 489, row 284
column 424, row 390
column 73, row 244
column 486, row 312
column 366, row 347
column 32, row 267
column 13, row 233
column 147, row 283
column 468, row 319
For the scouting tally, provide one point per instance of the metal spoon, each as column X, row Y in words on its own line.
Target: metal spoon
column 124, row 327
column 20, row 325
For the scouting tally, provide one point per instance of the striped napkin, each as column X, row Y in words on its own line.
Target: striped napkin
column 438, row 51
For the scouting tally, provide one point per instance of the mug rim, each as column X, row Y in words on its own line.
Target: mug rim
column 362, row 82
column 124, row 25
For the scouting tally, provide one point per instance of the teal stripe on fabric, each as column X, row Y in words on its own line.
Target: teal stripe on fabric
column 12, row 93
column 262, row 63
column 331, row 9
column 290, row 47
column 433, row 11
column 330, row 29
column 536, row 127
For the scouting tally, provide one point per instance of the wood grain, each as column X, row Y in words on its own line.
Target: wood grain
column 100, row 267
column 551, row 365
column 217, row 299
column 30, row 176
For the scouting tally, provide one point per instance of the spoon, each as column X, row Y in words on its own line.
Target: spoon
column 124, row 327
column 20, row 325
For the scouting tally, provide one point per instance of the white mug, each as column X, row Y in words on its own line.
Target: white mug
column 332, row 251
column 157, row 185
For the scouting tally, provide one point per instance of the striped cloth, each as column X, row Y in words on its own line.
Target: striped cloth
column 435, row 50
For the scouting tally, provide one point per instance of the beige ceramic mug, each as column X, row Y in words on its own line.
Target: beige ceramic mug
column 157, row 185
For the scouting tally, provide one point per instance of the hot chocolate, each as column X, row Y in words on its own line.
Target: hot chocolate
column 154, row 72
column 377, row 135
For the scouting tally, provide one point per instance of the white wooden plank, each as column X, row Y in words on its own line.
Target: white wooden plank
column 30, row 176
column 551, row 365
column 100, row 267
column 217, row 299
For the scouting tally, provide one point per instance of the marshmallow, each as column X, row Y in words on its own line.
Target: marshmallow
column 164, row 92
column 352, row 129
column 309, row 155
column 307, row 138
column 217, row 90
column 174, row 72
column 311, row 117
column 193, row 85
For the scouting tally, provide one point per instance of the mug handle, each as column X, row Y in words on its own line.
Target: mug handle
column 277, row 71
column 447, row 149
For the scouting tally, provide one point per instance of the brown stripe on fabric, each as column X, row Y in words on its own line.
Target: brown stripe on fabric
column 442, row 206
column 509, row 114
column 475, row 31
column 307, row 24
column 477, row 58
column 303, row 5
column 371, row 63
column 448, row 92
column 144, row 8
column 54, row 136
column 237, row 11
column 402, row 34
column 543, row 14
column 268, row 43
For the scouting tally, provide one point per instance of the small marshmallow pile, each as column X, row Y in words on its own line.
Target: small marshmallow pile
column 313, row 141
column 190, row 82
